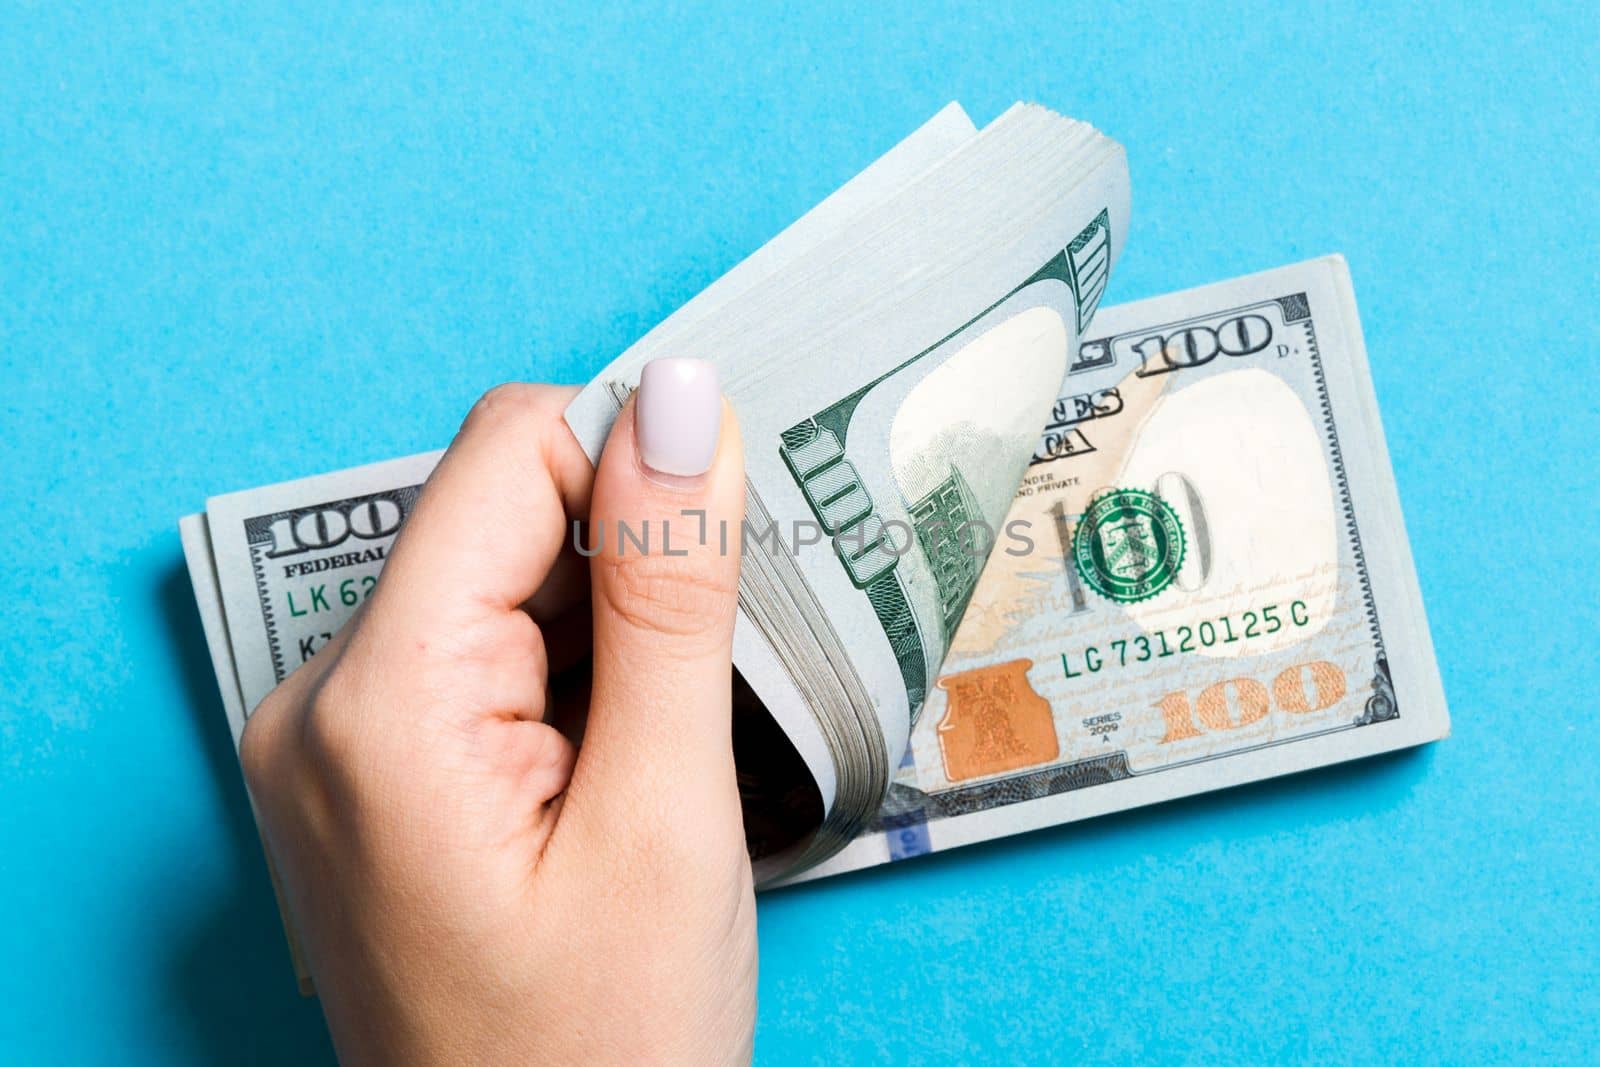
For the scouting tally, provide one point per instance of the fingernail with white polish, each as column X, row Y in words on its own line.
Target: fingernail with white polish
column 678, row 416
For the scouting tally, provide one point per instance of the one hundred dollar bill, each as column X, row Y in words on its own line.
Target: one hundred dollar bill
column 1204, row 580
column 891, row 374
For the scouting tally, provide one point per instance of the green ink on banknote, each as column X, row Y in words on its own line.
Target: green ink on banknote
column 815, row 452
column 1129, row 545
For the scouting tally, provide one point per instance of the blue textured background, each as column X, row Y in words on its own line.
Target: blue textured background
column 237, row 247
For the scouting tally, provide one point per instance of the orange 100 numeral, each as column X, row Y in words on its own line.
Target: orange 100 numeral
column 1305, row 687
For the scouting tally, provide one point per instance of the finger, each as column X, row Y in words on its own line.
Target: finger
column 279, row 713
column 492, row 519
column 540, row 761
column 665, row 516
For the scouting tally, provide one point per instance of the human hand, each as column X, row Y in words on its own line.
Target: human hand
column 468, row 886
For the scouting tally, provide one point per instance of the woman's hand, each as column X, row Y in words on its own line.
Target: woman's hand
column 467, row 885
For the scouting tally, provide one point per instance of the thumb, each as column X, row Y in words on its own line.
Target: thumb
column 664, row 524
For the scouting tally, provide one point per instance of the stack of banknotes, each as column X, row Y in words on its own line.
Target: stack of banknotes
column 1010, row 559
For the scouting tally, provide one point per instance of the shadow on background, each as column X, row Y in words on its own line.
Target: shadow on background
column 229, row 978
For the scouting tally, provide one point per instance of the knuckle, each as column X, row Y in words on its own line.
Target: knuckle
column 513, row 402
column 550, row 753
column 682, row 596
column 334, row 730
column 521, row 642
column 261, row 745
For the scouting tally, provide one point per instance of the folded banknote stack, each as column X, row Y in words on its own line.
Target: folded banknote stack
column 1010, row 559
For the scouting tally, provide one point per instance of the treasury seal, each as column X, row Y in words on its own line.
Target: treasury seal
column 1128, row 545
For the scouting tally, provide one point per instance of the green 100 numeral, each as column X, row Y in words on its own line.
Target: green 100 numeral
column 1238, row 702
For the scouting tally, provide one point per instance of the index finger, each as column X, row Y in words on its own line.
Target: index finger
column 493, row 516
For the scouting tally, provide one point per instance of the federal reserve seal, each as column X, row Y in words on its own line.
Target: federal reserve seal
column 1128, row 545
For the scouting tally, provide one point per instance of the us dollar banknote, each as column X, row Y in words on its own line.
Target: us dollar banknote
column 1203, row 580
column 891, row 368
